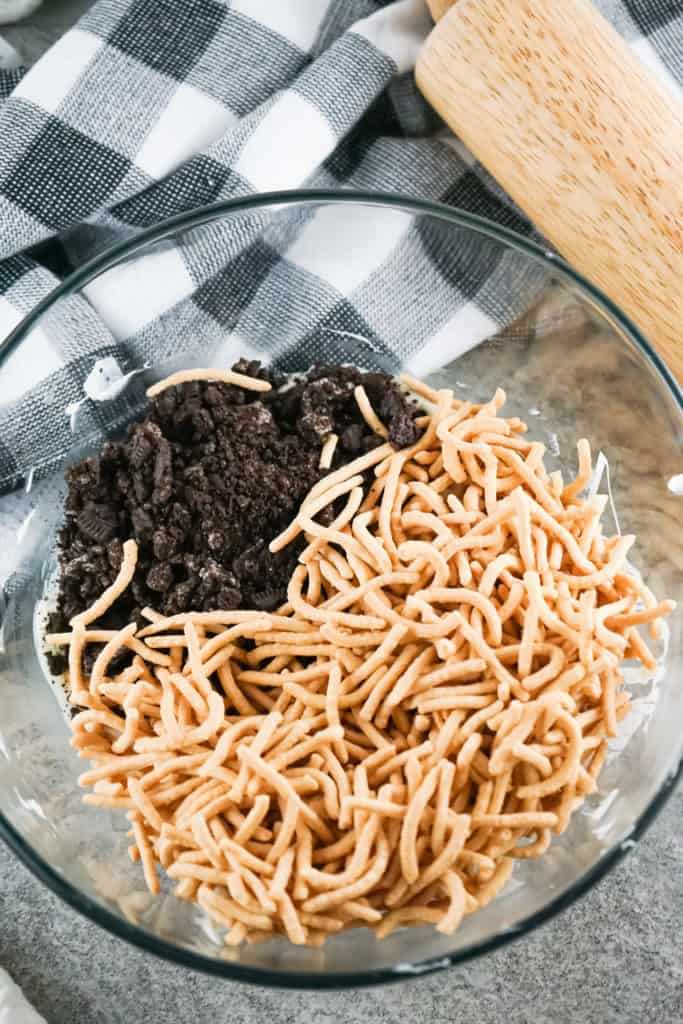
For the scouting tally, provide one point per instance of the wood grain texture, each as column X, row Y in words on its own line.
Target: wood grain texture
column 582, row 135
column 438, row 8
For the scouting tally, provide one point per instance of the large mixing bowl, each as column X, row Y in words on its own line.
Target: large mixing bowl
column 431, row 284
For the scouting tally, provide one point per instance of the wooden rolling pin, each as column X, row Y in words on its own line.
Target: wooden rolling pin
column 580, row 133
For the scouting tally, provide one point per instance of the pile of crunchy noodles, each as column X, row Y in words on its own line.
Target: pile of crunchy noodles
column 433, row 702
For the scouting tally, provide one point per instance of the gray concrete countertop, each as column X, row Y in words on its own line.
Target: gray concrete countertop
column 616, row 956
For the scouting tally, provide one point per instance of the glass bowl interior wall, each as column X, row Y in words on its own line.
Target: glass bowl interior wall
column 571, row 367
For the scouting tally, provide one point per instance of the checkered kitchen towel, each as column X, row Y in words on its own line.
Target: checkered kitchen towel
column 150, row 107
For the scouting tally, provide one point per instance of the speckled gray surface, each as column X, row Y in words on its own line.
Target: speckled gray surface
column 615, row 956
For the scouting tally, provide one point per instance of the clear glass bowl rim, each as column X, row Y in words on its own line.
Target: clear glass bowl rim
column 317, row 979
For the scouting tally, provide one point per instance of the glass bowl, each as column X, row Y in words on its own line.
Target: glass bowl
column 204, row 288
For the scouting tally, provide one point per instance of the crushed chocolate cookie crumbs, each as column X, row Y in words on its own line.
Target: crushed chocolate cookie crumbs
column 204, row 482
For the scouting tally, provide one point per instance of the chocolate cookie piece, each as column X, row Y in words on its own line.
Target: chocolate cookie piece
column 204, row 481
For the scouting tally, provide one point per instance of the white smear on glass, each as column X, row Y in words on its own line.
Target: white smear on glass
column 602, row 469
column 21, row 532
column 105, row 382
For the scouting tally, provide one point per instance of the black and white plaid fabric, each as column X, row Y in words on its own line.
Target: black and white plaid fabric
column 150, row 107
